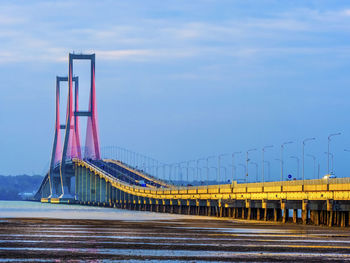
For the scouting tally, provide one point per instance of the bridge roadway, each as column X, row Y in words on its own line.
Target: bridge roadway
column 319, row 202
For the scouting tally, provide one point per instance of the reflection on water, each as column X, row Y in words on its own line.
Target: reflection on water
column 21, row 209
column 38, row 232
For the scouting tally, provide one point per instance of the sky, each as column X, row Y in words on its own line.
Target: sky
column 181, row 80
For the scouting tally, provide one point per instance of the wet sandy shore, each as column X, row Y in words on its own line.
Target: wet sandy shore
column 196, row 240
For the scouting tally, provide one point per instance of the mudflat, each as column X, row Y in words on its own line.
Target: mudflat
column 184, row 239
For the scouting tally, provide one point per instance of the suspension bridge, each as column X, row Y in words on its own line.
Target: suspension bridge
column 80, row 175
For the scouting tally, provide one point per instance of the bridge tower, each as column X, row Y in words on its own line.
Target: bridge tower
column 71, row 145
column 53, row 176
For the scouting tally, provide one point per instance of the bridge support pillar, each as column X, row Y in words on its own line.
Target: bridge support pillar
column 276, row 213
column 258, row 216
column 330, row 212
column 304, row 212
column 295, row 216
column 285, row 212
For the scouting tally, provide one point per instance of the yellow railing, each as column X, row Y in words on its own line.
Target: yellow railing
column 317, row 189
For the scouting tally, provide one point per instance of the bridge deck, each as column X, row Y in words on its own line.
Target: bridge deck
column 319, row 201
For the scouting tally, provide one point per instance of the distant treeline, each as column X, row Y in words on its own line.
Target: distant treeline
column 19, row 187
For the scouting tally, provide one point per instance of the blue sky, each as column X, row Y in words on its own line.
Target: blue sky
column 181, row 80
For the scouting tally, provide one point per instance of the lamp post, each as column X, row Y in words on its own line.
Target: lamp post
column 219, row 160
column 209, row 157
column 332, row 161
column 223, row 167
column 233, row 164
column 234, row 169
column 329, row 140
column 250, row 150
column 256, row 169
column 282, row 163
column 314, row 159
column 279, row 160
column 304, row 142
column 244, row 170
column 268, row 167
column 263, row 156
column 296, row 158
column 215, row 168
column 188, row 164
column 201, row 159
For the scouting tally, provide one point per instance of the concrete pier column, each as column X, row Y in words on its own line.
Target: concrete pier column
column 229, row 212
column 249, row 216
column 275, row 214
column 338, row 218
column 330, row 212
column 285, row 216
column 258, row 216
column 317, row 217
column 98, row 189
column 295, row 216
column 304, row 212
column 342, row 219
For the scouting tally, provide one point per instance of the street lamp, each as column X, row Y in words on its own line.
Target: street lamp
column 329, row 140
column 216, row 170
column 314, row 158
column 234, row 170
column 201, row 159
column 233, row 164
column 282, row 163
column 256, row 169
column 245, row 169
column 209, row 157
column 263, row 153
column 279, row 160
column 332, row 161
column 296, row 158
column 304, row 142
column 268, row 168
column 251, row 150
column 219, row 159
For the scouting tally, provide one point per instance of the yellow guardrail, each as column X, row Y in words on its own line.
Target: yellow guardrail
column 152, row 179
column 318, row 189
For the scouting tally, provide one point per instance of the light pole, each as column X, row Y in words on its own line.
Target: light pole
column 329, row 140
column 223, row 167
column 263, row 156
column 233, row 164
column 216, row 169
column 188, row 164
column 234, row 170
column 279, row 160
column 244, row 170
column 313, row 158
column 332, row 161
column 296, row 158
column 304, row 142
column 208, row 168
column 201, row 159
column 268, row 167
column 256, row 169
column 250, row 150
column 282, row 163
column 219, row 160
